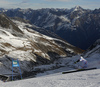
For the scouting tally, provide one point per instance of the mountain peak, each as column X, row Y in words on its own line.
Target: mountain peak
column 76, row 8
column 6, row 23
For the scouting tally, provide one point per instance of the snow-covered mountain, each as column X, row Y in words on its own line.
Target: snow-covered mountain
column 19, row 41
column 92, row 55
column 78, row 26
column 34, row 46
column 93, row 49
column 90, row 78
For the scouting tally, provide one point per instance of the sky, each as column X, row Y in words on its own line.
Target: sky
column 37, row 4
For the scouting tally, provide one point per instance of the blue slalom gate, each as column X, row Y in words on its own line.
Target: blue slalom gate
column 15, row 63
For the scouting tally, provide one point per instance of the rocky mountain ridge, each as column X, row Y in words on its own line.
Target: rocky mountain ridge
column 78, row 26
column 19, row 41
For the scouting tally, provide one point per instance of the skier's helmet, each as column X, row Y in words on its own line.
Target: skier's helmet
column 81, row 58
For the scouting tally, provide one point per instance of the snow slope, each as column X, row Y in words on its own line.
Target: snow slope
column 80, row 79
column 55, row 78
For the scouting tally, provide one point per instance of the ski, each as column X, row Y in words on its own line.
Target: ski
column 78, row 70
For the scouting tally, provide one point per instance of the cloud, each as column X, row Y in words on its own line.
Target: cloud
column 25, row 1
column 2, row 2
column 48, row 3
column 91, row 5
column 14, row 4
column 62, row 0
column 23, row 4
column 5, row 3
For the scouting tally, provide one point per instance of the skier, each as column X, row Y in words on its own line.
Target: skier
column 83, row 63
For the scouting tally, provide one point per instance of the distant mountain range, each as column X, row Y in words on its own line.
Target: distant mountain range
column 80, row 27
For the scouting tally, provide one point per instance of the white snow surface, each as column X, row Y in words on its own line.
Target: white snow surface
column 80, row 79
column 55, row 78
